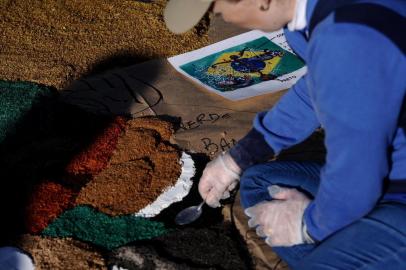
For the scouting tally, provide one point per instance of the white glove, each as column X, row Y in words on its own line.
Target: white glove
column 280, row 220
column 220, row 176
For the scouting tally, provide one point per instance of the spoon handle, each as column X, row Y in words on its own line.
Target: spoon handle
column 200, row 206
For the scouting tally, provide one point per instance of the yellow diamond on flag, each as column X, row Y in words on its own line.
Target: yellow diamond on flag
column 246, row 63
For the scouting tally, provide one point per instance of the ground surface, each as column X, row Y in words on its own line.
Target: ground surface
column 54, row 43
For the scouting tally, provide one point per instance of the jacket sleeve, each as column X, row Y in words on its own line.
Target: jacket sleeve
column 288, row 123
column 358, row 99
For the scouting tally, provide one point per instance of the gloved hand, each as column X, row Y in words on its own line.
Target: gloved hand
column 220, row 176
column 280, row 220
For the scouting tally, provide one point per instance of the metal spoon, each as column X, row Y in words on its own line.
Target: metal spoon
column 188, row 215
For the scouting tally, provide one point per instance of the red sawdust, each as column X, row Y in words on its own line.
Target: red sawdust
column 51, row 198
column 95, row 158
column 142, row 165
column 47, row 202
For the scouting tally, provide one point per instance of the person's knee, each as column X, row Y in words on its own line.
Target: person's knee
column 253, row 188
column 256, row 180
column 252, row 180
column 261, row 176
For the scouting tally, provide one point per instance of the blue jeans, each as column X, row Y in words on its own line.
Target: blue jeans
column 375, row 242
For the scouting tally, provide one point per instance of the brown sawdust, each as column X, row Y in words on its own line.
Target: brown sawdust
column 61, row 254
column 54, row 42
column 142, row 166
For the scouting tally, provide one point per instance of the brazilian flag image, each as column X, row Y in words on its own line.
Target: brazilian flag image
column 243, row 65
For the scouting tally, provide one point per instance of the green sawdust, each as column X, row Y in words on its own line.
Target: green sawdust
column 89, row 225
column 16, row 99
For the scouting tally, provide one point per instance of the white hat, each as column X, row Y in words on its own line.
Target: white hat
column 182, row 15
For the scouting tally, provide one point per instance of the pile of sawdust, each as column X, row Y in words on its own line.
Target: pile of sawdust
column 47, row 202
column 142, row 166
column 52, row 150
column 54, row 42
column 63, row 254
column 89, row 225
column 212, row 247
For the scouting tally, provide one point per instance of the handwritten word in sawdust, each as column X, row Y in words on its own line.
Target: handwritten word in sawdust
column 202, row 118
column 213, row 147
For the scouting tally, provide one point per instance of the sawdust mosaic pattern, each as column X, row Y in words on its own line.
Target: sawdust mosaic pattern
column 56, row 42
column 91, row 226
column 142, row 166
column 48, row 201
column 95, row 158
column 54, row 152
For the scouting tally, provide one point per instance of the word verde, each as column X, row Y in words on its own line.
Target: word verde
column 202, row 118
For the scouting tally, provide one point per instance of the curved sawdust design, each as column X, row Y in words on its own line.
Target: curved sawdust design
column 142, row 166
column 95, row 158
column 89, row 225
column 58, row 155
column 51, row 197
column 48, row 201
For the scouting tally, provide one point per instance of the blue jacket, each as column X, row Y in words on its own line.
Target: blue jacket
column 354, row 89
